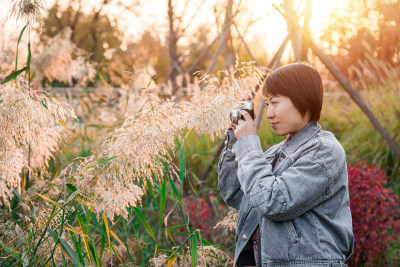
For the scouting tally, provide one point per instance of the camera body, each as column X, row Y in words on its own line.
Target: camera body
column 247, row 105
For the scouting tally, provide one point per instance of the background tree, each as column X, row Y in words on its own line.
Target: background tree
column 364, row 27
column 94, row 32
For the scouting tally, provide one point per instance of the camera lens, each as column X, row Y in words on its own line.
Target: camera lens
column 234, row 116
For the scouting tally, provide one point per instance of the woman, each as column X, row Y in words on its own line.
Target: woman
column 293, row 199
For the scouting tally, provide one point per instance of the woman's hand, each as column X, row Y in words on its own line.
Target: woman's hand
column 245, row 127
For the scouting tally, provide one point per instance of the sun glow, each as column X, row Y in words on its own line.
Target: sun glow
column 321, row 11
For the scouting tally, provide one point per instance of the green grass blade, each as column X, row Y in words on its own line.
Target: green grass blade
column 71, row 197
column 94, row 254
column 143, row 220
column 84, row 229
column 102, row 161
column 202, row 240
column 65, row 246
column 176, row 250
column 28, row 62
column 10, row 251
column 194, row 251
column 108, row 232
column 102, row 245
column 182, row 166
column 13, row 75
column 97, row 223
column 18, row 196
column 77, row 245
column 19, row 40
column 175, row 191
column 71, row 187
column 162, row 200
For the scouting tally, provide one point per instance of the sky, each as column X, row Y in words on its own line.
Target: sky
column 269, row 30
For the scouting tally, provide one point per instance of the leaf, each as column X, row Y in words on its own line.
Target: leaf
column 146, row 225
column 49, row 200
column 72, row 196
column 66, row 247
column 94, row 254
column 116, row 237
column 28, row 61
column 191, row 186
column 108, row 232
column 10, row 251
column 77, row 246
column 194, row 251
column 162, row 200
column 175, row 191
column 65, row 126
column 18, row 195
column 83, row 228
column 126, row 105
column 13, row 75
column 19, row 40
column 171, row 261
column 176, row 250
column 202, row 240
column 71, row 187
column 182, row 166
column 102, row 161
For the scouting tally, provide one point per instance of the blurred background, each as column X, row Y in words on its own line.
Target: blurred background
column 105, row 57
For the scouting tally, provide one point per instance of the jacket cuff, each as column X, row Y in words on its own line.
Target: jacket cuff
column 230, row 138
column 245, row 144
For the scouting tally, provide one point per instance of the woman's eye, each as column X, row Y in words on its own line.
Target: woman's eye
column 274, row 102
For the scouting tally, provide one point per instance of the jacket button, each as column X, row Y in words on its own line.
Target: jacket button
column 236, row 160
column 244, row 237
column 226, row 142
column 233, row 152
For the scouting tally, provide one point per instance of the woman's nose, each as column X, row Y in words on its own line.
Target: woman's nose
column 270, row 113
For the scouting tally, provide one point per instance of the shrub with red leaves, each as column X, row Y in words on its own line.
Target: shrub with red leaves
column 375, row 211
column 200, row 214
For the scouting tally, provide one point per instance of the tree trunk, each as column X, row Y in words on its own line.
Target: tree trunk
column 172, row 53
column 306, row 30
column 225, row 33
column 296, row 32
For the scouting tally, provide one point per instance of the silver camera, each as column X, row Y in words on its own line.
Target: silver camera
column 247, row 105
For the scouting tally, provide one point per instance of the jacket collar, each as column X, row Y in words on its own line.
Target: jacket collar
column 300, row 138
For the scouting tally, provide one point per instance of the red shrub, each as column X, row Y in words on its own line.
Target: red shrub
column 200, row 213
column 375, row 213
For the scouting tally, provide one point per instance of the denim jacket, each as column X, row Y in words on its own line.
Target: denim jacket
column 297, row 194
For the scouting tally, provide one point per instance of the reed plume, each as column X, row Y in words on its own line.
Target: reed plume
column 30, row 132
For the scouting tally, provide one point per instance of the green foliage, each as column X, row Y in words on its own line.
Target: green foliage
column 356, row 133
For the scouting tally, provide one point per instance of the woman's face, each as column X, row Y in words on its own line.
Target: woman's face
column 285, row 118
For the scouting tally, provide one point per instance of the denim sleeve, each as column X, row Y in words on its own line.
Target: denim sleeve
column 227, row 174
column 298, row 189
